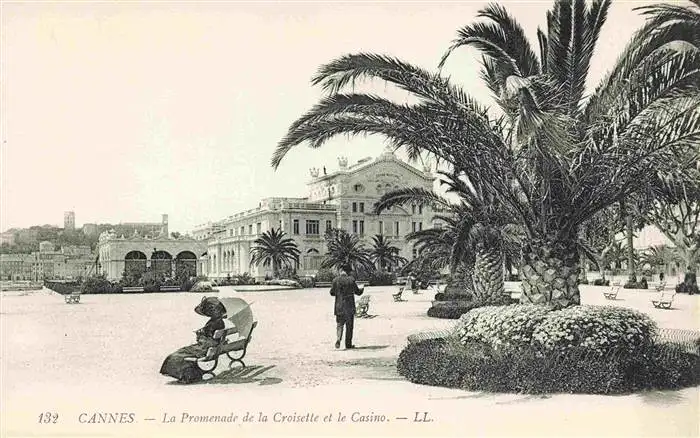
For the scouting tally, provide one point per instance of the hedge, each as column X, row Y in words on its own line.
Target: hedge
column 478, row 367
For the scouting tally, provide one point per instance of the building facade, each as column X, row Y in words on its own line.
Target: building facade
column 119, row 254
column 47, row 264
column 342, row 199
column 69, row 221
column 7, row 238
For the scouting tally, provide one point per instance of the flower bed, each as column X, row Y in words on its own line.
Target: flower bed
column 533, row 349
column 477, row 366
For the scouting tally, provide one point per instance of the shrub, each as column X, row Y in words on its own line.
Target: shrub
column 442, row 296
column 478, row 367
column 381, row 278
column 150, row 282
column 601, row 282
column 99, row 285
column 62, row 287
column 283, row 282
column 642, row 284
column 202, row 286
column 306, row 282
column 501, row 326
column 687, row 288
column 324, row 276
column 244, row 279
column 598, row 329
column 464, row 306
column 449, row 312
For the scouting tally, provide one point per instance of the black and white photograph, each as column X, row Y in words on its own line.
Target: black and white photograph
column 358, row 218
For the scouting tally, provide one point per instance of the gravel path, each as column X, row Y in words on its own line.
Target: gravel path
column 103, row 355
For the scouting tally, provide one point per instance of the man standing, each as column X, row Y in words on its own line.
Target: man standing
column 344, row 289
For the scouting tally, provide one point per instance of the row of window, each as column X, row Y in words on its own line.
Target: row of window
column 360, row 207
column 258, row 229
column 313, row 226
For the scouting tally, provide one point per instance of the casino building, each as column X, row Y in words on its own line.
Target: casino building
column 340, row 199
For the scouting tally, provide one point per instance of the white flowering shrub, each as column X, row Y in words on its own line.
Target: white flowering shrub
column 594, row 329
column 501, row 327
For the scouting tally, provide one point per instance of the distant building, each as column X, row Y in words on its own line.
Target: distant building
column 46, row 246
column 16, row 266
column 342, row 199
column 7, row 238
column 69, row 221
column 90, row 229
column 119, row 253
column 76, row 250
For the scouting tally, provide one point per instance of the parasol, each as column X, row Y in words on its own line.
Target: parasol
column 239, row 313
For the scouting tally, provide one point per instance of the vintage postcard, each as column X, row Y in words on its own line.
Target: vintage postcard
column 367, row 218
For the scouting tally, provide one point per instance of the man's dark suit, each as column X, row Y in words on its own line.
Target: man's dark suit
column 344, row 289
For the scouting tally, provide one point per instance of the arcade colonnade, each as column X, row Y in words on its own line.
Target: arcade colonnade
column 136, row 255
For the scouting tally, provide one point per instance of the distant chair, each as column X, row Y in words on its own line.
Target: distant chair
column 362, row 307
column 72, row 298
column 665, row 300
column 661, row 286
column 397, row 295
column 611, row 294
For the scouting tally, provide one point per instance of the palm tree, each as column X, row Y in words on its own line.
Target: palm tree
column 384, row 254
column 346, row 249
column 273, row 248
column 659, row 256
column 553, row 158
column 675, row 211
column 478, row 225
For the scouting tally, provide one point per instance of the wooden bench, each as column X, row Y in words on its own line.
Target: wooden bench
column 72, row 298
column 362, row 307
column 234, row 349
column 611, row 294
column 397, row 295
column 132, row 289
column 661, row 286
column 323, row 284
column 664, row 300
column 170, row 288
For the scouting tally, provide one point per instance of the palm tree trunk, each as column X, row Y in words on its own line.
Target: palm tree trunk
column 550, row 273
column 461, row 282
column 632, row 276
column 488, row 273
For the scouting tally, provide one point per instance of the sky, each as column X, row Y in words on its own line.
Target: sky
column 124, row 111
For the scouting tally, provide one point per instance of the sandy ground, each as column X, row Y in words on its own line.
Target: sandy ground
column 103, row 356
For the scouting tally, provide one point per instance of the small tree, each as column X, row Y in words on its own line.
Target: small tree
column 346, row 249
column 385, row 255
column 272, row 248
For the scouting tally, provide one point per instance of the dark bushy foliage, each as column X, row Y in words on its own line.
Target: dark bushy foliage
column 62, row 287
column 324, row 276
column 236, row 280
column 449, row 312
column 475, row 366
column 188, row 284
column 99, row 285
column 641, row 284
column 306, row 282
column 381, row 278
column 601, row 282
column 442, row 296
column 684, row 288
column 455, row 312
